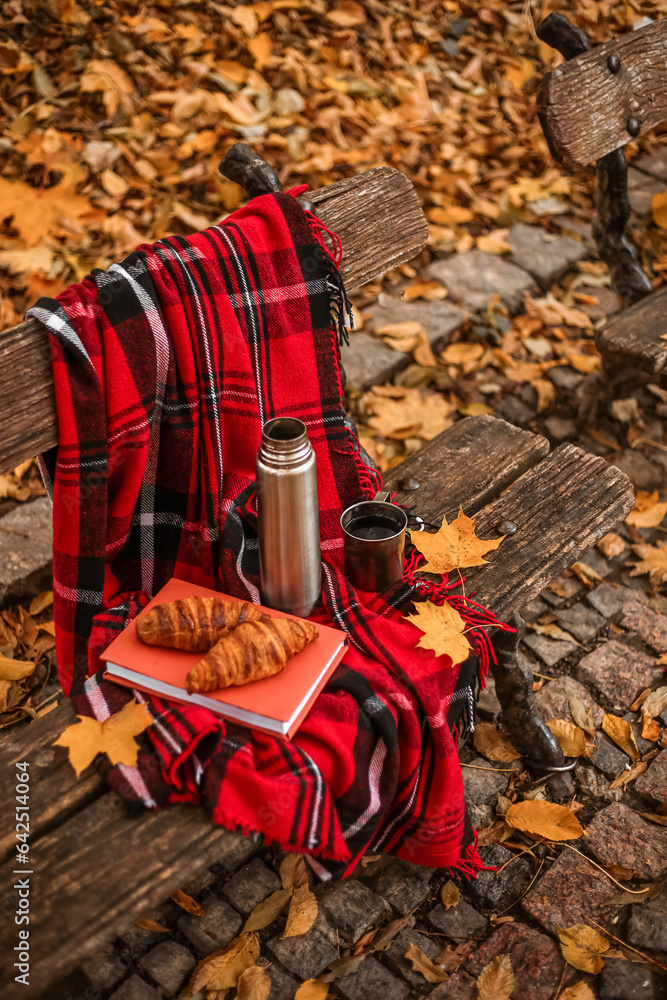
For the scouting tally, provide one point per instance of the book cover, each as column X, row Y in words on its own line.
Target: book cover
column 275, row 704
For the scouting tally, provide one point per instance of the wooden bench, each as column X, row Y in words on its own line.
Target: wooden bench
column 95, row 868
column 590, row 107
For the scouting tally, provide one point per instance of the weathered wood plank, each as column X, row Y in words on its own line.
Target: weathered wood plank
column 94, row 875
column 632, row 338
column 470, row 463
column 584, row 107
column 55, row 792
column 378, row 218
column 561, row 507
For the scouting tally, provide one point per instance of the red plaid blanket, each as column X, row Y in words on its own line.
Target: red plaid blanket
column 165, row 369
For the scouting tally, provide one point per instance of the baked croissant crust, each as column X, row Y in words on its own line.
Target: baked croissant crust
column 194, row 624
column 251, row 652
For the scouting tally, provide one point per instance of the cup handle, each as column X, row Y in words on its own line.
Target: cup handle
column 382, row 496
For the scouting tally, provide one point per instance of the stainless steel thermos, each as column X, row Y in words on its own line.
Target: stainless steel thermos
column 289, row 521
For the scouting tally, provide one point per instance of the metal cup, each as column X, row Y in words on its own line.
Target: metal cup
column 373, row 563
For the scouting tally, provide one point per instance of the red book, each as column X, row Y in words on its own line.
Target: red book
column 276, row 705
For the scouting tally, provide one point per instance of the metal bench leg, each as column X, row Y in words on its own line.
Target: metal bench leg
column 514, row 688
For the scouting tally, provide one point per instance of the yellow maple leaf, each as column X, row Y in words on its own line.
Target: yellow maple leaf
column 583, row 947
column 647, row 512
column 496, row 980
column 454, row 545
column 114, row 737
column 116, row 85
column 443, row 630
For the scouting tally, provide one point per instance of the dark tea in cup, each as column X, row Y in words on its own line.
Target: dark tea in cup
column 374, row 540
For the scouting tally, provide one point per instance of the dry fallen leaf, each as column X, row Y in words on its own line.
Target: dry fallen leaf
column 572, row 739
column 496, row 980
column 268, row 910
column 583, row 947
column 421, row 963
column 188, row 904
column 652, row 560
column 15, row 670
column 454, row 546
column 542, row 819
column 151, row 925
column 580, row 991
column 612, row 545
column 625, row 777
column 421, row 289
column 647, row 512
column 492, row 744
column 621, row 733
column 302, row 912
column 414, row 415
column 115, row 737
column 449, row 894
column 253, row 984
column 659, row 209
column 312, row 989
column 223, row 969
column 41, row 602
column 443, row 630
column 553, row 631
column 582, row 715
column 293, row 871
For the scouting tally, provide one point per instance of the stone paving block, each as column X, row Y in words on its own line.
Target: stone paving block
column 250, row 885
column 135, row 988
column 553, row 700
column 641, row 189
column 595, row 785
column 398, row 963
column 242, row 851
column 536, row 960
column 596, row 561
column 609, row 600
column 514, row 411
column 642, row 473
column 547, row 259
column 475, row 277
column 137, row 940
column 607, row 757
column 371, row 980
column 459, row 922
column 283, row 986
column 647, row 927
column 620, row 836
column 549, row 651
column 439, row 319
column 581, row 622
column 353, row 909
column 403, row 885
column 642, row 745
column 307, row 955
column 481, row 787
column 566, row 378
column 569, row 892
column 170, row 965
column 558, row 429
column 617, row 672
column 368, row 361
column 647, row 623
column 654, row 164
column 459, row 986
column 621, row 980
column 652, row 784
column 498, row 889
column 199, row 884
column 106, row 967
column 214, row 930
column 26, row 550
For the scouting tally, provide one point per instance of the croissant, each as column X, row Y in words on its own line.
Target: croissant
column 251, row 652
column 194, row 624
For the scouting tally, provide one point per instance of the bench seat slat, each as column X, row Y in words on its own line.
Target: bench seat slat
column 584, row 108
column 632, row 338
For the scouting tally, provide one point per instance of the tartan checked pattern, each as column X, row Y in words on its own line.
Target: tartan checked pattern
column 165, row 368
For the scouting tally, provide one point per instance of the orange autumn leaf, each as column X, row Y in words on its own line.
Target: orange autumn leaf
column 454, row 545
column 38, row 213
column 546, row 820
column 115, row 737
column 648, row 512
column 443, row 630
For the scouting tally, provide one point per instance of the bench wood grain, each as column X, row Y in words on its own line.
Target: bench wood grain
column 633, row 337
column 584, row 108
column 377, row 216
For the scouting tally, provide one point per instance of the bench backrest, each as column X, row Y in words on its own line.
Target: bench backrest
column 603, row 98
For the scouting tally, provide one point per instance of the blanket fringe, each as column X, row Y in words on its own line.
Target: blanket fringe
column 470, row 863
column 476, row 617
